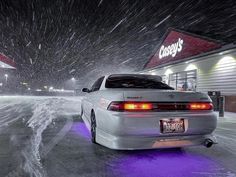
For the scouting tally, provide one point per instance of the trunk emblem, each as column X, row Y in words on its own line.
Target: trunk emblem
column 134, row 97
column 171, row 96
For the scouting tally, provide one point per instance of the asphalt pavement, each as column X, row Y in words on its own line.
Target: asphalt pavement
column 45, row 137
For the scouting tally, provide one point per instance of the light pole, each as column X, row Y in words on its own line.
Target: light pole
column 6, row 77
column 74, row 81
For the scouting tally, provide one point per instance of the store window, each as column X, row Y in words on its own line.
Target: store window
column 184, row 81
column 164, row 79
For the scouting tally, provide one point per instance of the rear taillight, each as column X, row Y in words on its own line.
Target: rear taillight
column 137, row 106
column 200, row 106
column 116, row 106
column 145, row 106
column 130, row 106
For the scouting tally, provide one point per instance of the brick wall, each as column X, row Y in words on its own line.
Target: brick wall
column 230, row 103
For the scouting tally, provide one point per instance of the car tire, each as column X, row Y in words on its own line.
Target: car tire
column 81, row 112
column 93, row 128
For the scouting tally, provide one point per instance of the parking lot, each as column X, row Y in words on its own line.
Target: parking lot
column 46, row 137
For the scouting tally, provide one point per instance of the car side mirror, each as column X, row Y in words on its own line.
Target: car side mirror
column 85, row 90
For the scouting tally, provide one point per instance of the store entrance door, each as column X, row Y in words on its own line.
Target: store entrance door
column 184, row 81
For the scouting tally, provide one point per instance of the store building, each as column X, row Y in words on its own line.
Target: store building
column 7, row 74
column 191, row 62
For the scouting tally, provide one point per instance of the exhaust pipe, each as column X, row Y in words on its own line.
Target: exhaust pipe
column 208, row 143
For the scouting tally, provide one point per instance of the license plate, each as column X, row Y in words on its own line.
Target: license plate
column 172, row 126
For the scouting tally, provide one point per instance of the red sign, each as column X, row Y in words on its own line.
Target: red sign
column 7, row 60
column 180, row 45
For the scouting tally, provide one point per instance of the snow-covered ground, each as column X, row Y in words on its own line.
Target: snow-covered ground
column 43, row 109
column 36, row 113
column 45, row 137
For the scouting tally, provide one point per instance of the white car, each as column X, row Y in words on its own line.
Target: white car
column 136, row 111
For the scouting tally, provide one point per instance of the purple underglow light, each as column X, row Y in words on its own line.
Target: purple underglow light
column 164, row 163
column 81, row 129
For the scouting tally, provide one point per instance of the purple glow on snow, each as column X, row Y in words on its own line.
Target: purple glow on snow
column 163, row 163
column 81, row 129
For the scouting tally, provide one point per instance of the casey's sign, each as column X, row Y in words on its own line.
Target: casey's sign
column 178, row 45
column 171, row 50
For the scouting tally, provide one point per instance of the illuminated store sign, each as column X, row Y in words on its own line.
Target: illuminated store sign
column 179, row 45
column 172, row 49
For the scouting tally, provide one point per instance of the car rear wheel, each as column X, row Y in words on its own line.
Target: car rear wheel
column 93, row 128
column 82, row 111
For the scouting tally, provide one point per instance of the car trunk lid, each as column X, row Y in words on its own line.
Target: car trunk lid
column 167, row 96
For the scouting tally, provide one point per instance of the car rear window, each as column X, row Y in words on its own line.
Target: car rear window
column 136, row 81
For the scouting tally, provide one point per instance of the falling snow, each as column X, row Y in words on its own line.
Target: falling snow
column 48, row 39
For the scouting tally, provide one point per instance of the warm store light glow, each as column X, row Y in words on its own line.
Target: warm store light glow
column 191, row 67
column 168, row 71
column 225, row 60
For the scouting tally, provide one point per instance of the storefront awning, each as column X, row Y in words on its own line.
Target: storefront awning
column 6, row 62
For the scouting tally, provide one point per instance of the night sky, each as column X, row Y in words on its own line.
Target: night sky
column 52, row 41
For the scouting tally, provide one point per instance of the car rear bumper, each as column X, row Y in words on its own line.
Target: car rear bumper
column 130, row 130
column 147, row 142
column 148, row 123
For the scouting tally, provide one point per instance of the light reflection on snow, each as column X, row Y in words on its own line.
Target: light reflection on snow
column 81, row 129
column 152, row 163
column 165, row 163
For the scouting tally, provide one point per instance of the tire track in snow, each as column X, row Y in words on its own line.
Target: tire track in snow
column 58, row 137
column 44, row 112
column 18, row 172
